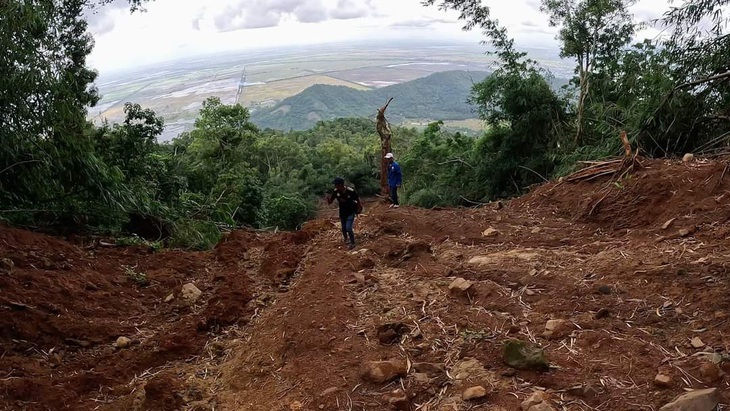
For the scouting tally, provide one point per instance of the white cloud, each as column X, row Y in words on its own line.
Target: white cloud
column 175, row 28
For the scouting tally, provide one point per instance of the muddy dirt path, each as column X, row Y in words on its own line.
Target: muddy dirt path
column 622, row 286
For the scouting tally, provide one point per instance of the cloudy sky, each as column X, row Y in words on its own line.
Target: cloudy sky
column 175, row 28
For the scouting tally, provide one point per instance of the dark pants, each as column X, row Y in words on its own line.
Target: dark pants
column 394, row 194
column 347, row 221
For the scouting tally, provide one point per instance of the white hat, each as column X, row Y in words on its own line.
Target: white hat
column 389, row 155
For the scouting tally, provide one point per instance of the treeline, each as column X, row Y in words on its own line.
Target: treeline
column 58, row 171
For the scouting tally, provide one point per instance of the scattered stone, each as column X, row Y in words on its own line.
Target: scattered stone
column 191, row 293
column 398, row 400
column 697, row 343
column 523, row 356
column 430, row 369
column 536, row 230
column 602, row 313
column 555, row 329
column 543, row 406
column 683, row 232
column 532, row 400
column 6, row 265
column 668, row 223
column 530, row 292
column 391, row 333
column 461, row 287
column 169, row 298
column 710, row 372
column 468, row 368
column 688, row 158
column 358, row 278
column 605, row 289
column 663, row 380
column 697, row 400
column 382, row 371
column 421, row 378
column 122, row 342
column 490, row 232
column 296, row 406
column 328, row 391
column 589, row 391
column 474, row 393
column 55, row 360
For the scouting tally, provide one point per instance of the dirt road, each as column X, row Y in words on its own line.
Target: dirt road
column 623, row 285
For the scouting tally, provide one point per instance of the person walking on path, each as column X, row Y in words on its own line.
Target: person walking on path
column 350, row 206
column 395, row 179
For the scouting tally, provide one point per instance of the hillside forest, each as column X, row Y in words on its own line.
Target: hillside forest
column 59, row 172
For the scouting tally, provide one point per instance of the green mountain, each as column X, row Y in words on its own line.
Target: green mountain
column 439, row 96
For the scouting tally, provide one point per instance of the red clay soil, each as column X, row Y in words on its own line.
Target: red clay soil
column 635, row 268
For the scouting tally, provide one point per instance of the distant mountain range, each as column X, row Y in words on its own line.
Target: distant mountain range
column 439, row 96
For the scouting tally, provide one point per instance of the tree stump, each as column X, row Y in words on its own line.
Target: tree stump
column 385, row 134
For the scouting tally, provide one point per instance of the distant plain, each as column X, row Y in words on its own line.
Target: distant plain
column 176, row 90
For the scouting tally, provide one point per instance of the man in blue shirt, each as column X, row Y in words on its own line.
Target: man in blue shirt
column 395, row 179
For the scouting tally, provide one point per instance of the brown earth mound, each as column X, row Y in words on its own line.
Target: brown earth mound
column 622, row 284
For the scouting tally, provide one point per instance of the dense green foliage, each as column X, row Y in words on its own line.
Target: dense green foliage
column 56, row 170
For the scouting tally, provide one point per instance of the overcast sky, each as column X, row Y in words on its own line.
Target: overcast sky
column 175, row 28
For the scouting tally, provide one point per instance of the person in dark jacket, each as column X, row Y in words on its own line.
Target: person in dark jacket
column 395, row 179
column 350, row 206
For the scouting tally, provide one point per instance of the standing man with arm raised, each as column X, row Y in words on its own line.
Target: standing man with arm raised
column 350, row 206
column 395, row 179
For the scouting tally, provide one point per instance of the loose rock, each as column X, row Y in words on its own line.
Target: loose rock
column 523, row 356
column 602, row 313
column 490, row 232
column 191, row 293
column 474, row 393
column 668, row 223
column 698, row 400
column 710, row 372
column 296, row 406
column 169, row 298
column 688, row 158
column 461, row 287
column 391, row 333
column 605, row 289
column 430, row 369
column 555, row 329
column 532, row 400
column 382, row 371
column 399, row 400
column 663, row 380
column 697, row 343
column 122, row 342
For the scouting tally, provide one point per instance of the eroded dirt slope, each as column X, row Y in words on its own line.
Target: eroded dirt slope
column 634, row 272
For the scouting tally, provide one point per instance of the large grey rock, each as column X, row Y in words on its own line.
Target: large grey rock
column 698, row 400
